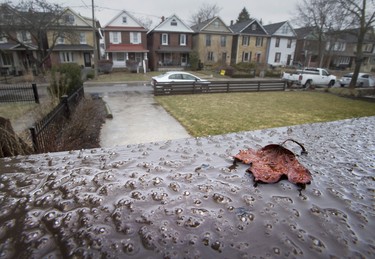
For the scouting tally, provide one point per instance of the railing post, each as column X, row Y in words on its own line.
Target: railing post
column 35, row 91
column 258, row 86
column 64, row 101
column 34, row 139
column 228, row 87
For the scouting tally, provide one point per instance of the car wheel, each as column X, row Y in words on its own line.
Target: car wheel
column 342, row 85
column 308, row 84
column 331, row 83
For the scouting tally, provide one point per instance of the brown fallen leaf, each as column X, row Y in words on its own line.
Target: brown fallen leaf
column 271, row 162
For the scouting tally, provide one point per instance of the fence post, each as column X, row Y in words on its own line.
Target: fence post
column 228, row 87
column 34, row 139
column 258, row 86
column 36, row 95
column 64, row 101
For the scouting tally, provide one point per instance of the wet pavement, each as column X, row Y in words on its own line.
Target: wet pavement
column 137, row 118
column 184, row 199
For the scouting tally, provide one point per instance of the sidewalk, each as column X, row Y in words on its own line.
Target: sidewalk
column 137, row 118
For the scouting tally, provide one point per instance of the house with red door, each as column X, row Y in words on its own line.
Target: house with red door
column 170, row 44
column 125, row 41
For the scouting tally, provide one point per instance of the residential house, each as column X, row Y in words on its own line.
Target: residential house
column 308, row 47
column 212, row 41
column 281, row 44
column 341, row 49
column 250, row 42
column 74, row 39
column 170, row 44
column 125, row 41
column 18, row 49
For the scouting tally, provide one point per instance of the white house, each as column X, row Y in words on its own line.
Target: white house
column 282, row 44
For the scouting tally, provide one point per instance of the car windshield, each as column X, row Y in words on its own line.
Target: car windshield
column 348, row 75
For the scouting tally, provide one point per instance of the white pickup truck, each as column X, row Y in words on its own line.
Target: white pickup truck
column 310, row 76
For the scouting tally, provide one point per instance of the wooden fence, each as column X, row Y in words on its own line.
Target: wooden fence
column 218, row 87
column 19, row 93
column 43, row 133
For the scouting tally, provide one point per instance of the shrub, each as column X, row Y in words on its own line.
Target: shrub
column 194, row 60
column 66, row 78
column 105, row 66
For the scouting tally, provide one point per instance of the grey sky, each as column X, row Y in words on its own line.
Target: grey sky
column 270, row 11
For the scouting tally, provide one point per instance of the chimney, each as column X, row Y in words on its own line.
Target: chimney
column 162, row 19
column 231, row 22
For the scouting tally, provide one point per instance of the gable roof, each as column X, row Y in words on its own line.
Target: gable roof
column 272, row 28
column 166, row 26
column 241, row 27
column 134, row 22
column 203, row 26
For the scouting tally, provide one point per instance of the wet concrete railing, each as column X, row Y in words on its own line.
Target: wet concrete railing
column 183, row 199
column 218, row 87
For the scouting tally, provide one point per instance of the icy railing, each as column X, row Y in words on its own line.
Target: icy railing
column 182, row 199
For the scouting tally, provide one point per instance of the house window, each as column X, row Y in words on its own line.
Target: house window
column 223, row 41
column 66, row 57
column 135, row 38
column 182, row 39
column 24, row 36
column 173, row 22
column 210, row 56
column 253, row 27
column 245, row 40
column 114, row 37
column 164, row 39
column 208, row 40
column 277, row 43
column 259, row 42
column 216, row 24
column 120, row 56
column 7, row 59
column 285, row 29
column 277, row 57
column 82, row 38
column 245, row 56
column 124, row 19
column 61, row 39
column 69, row 19
column 289, row 44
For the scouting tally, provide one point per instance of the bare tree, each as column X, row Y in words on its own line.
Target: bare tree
column 205, row 12
column 27, row 24
column 322, row 16
column 361, row 16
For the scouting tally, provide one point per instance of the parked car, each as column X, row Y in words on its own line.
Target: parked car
column 364, row 80
column 178, row 77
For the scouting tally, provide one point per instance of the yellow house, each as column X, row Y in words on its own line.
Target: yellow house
column 250, row 42
column 73, row 40
column 212, row 41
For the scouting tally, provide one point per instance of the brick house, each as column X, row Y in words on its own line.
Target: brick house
column 170, row 43
column 125, row 41
column 213, row 41
column 250, row 42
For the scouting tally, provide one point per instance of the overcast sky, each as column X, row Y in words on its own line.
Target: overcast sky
column 270, row 11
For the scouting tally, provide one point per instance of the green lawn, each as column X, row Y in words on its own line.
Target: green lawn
column 214, row 114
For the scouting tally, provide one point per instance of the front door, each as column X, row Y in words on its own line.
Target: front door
column 87, row 59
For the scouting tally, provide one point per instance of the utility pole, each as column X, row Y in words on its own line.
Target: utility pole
column 94, row 40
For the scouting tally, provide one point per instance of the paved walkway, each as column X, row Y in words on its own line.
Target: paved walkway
column 137, row 118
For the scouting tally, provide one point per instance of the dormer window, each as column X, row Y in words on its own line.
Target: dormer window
column 174, row 22
column 216, row 24
column 124, row 19
column 69, row 19
column 254, row 27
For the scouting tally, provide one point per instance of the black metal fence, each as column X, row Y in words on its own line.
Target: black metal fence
column 219, row 87
column 45, row 132
column 19, row 93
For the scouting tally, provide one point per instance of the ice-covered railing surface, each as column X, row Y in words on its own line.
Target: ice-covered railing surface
column 179, row 199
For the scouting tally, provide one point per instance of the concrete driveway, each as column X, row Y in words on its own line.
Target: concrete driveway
column 137, row 118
